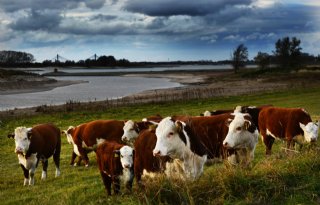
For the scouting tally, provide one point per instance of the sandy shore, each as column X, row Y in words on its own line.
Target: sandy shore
column 202, row 84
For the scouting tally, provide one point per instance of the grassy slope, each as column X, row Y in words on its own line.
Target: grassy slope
column 277, row 179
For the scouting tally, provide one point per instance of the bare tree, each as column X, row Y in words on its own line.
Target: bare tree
column 239, row 57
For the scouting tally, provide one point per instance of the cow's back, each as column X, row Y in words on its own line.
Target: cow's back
column 211, row 131
column 111, row 130
column 281, row 121
column 45, row 140
column 144, row 158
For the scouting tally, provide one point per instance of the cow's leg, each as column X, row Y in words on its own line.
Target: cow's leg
column 106, row 181
column 26, row 175
column 44, row 168
column 268, row 141
column 73, row 157
column 56, row 159
column 78, row 163
column 31, row 174
column 116, row 185
column 83, row 154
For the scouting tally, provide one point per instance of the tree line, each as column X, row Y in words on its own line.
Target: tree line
column 286, row 56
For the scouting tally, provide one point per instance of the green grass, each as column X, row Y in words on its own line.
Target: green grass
column 278, row 179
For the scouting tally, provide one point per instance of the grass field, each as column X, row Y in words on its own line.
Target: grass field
column 278, row 179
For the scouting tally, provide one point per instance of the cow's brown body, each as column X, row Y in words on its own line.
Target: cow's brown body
column 89, row 133
column 144, row 159
column 282, row 123
column 110, row 166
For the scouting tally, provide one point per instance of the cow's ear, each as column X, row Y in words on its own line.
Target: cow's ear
column 247, row 124
column 303, row 127
column 11, row 135
column 116, row 153
column 228, row 122
column 178, row 125
column 29, row 134
column 152, row 126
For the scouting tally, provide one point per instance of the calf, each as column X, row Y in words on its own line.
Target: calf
column 115, row 161
column 37, row 144
column 243, row 137
column 144, row 160
column 85, row 137
column 290, row 124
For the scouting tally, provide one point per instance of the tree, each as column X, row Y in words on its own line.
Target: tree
column 288, row 52
column 262, row 59
column 239, row 57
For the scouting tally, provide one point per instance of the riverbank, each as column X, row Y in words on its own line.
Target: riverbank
column 196, row 85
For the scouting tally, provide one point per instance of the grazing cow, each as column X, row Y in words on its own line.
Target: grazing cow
column 144, row 159
column 115, row 162
column 85, row 137
column 37, row 144
column 193, row 141
column 290, row 124
column 242, row 136
column 132, row 129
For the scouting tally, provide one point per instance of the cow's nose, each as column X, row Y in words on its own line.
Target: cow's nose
column 156, row 153
column 18, row 150
column 126, row 165
column 124, row 138
column 313, row 140
column 226, row 144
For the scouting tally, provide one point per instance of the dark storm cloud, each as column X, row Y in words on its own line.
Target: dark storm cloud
column 16, row 5
column 38, row 20
column 186, row 7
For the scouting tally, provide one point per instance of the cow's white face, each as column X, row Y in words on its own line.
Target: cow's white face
column 310, row 131
column 68, row 133
column 168, row 140
column 22, row 136
column 129, row 131
column 126, row 157
column 238, row 134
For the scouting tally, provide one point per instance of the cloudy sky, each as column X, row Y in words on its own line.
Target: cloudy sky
column 155, row 30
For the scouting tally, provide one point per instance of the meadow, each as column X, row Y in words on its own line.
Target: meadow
column 278, row 179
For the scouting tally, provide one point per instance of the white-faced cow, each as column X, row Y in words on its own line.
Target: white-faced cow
column 291, row 124
column 242, row 137
column 115, row 163
column 132, row 129
column 193, row 141
column 37, row 144
column 85, row 137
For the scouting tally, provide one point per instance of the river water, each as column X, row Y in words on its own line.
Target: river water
column 95, row 88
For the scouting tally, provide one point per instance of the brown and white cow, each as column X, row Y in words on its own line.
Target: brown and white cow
column 115, row 163
column 193, row 141
column 291, row 124
column 85, row 137
column 37, row 144
column 132, row 129
column 144, row 160
column 242, row 137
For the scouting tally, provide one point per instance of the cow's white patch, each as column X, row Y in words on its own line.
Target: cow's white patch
column 69, row 136
column 126, row 156
column 28, row 163
column 129, row 133
column 21, row 140
column 272, row 135
column 169, row 143
column 58, row 172
column 310, row 131
column 127, row 175
column 26, row 181
column 76, row 150
column 43, row 175
column 207, row 113
column 100, row 141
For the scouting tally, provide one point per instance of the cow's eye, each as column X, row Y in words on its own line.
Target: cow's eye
column 238, row 128
column 25, row 139
column 170, row 134
column 121, row 156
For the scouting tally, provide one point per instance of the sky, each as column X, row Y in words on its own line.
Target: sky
column 155, row 30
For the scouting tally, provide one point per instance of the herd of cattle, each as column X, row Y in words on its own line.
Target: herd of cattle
column 128, row 149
